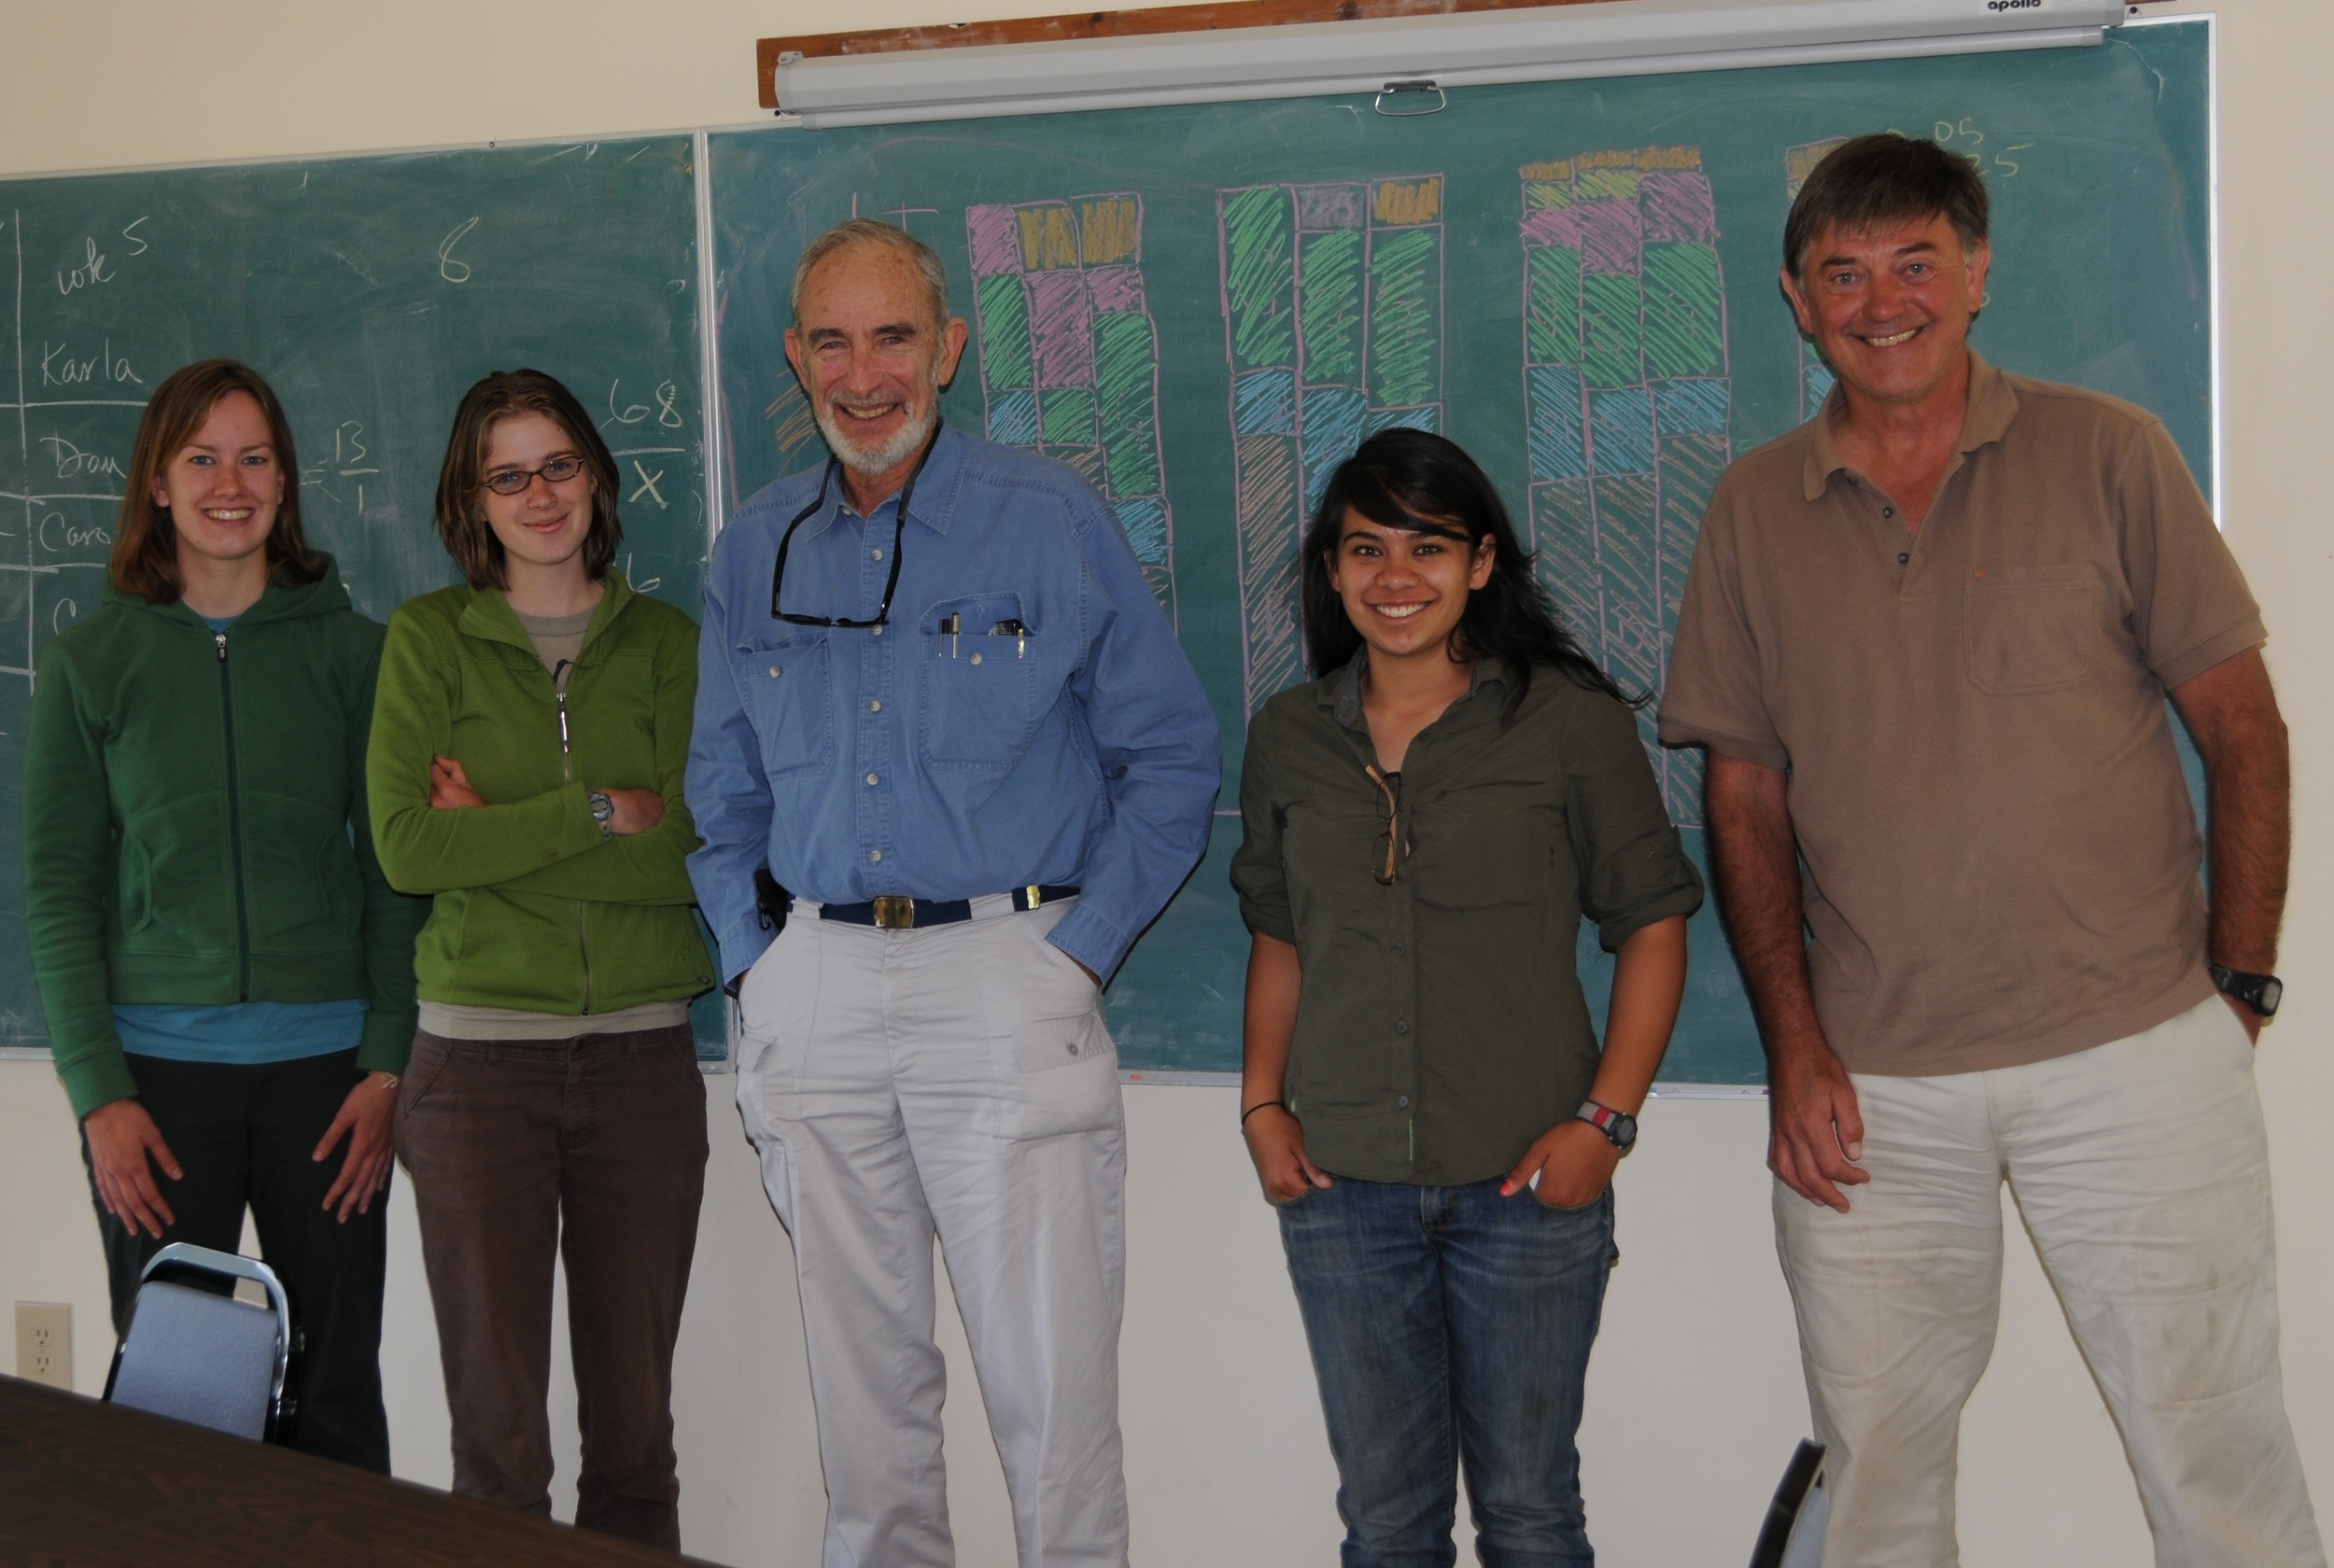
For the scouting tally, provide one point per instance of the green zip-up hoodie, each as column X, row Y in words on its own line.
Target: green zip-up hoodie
column 195, row 828
column 536, row 908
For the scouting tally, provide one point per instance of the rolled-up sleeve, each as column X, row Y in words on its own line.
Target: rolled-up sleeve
column 1259, row 874
column 1633, row 869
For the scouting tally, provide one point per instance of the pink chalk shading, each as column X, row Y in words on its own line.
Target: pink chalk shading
column 1608, row 231
column 1061, row 329
column 1678, row 205
column 1550, row 226
column 995, row 236
column 1116, row 288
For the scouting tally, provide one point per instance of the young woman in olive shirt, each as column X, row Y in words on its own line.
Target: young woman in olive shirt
column 1424, row 1095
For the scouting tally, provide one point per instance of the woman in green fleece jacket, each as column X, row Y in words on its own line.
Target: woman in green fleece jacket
column 527, row 750
column 226, row 977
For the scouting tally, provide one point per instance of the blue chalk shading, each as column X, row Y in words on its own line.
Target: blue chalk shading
column 1690, row 408
column 1621, row 430
column 1556, row 449
column 1426, row 416
column 1145, row 520
column 1264, row 403
column 1013, row 418
column 1330, row 431
column 1816, row 379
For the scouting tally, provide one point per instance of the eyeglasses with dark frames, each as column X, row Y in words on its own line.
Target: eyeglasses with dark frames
column 514, row 481
column 899, row 522
column 1385, row 858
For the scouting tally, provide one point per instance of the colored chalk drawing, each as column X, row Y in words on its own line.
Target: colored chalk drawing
column 1815, row 376
column 1627, row 397
column 1333, row 299
column 1069, row 355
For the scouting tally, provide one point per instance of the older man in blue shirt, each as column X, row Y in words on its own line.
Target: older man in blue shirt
column 940, row 707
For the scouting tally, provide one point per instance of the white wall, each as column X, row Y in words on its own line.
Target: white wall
column 1695, row 1397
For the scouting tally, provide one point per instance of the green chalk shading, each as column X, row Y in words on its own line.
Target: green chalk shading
column 1065, row 414
column 1405, row 284
column 1260, row 277
column 1127, row 402
column 1552, row 320
column 1329, row 296
column 1005, row 362
column 1682, row 312
column 1612, row 347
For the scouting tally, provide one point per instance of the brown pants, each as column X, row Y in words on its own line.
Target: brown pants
column 593, row 1147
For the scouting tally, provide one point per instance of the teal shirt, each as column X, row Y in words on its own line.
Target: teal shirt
column 241, row 1033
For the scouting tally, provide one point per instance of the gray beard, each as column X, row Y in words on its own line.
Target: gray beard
column 872, row 461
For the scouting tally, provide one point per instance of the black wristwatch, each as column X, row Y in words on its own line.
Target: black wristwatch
column 2260, row 992
column 1619, row 1125
column 603, row 811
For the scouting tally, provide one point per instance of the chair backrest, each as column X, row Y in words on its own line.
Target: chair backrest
column 197, row 1355
column 1793, row 1534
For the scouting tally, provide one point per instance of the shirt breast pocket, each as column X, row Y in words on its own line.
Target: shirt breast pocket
column 791, row 703
column 2028, row 631
column 980, row 689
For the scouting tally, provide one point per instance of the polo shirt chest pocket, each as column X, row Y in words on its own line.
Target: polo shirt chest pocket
column 790, row 702
column 982, row 686
column 2028, row 631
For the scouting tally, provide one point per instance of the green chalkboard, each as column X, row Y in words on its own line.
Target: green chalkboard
column 371, row 292
column 1206, row 307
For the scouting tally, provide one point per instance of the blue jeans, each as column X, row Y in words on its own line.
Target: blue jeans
column 1449, row 1322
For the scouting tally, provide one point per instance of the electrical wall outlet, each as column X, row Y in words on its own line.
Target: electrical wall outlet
column 44, row 1343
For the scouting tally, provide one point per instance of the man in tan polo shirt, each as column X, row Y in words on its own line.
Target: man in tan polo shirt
column 1927, row 641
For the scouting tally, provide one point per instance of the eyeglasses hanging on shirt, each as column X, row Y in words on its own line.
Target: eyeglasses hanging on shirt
column 899, row 521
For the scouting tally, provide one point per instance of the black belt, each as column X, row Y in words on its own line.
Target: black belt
column 907, row 914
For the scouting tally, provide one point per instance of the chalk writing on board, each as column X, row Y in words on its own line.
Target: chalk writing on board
column 1332, row 302
column 1069, row 354
column 1627, row 398
column 450, row 268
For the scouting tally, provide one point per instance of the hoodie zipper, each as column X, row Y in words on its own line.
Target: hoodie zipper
column 566, row 776
column 235, row 823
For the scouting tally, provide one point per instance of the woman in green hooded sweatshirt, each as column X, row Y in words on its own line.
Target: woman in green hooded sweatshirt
column 528, row 751
column 226, row 977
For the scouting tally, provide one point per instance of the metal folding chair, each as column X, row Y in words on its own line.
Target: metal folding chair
column 199, row 1355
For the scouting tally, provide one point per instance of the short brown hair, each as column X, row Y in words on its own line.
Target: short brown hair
column 144, row 557
column 1882, row 179
column 462, row 525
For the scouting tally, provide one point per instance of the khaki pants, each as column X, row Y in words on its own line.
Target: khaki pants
column 593, row 1148
column 956, row 1080
column 2142, row 1172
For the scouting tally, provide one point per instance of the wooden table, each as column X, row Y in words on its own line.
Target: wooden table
column 90, row 1485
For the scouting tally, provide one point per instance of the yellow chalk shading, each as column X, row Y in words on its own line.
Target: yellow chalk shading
column 1542, row 194
column 1395, row 201
column 1800, row 161
column 1622, row 183
column 1049, row 238
column 1108, row 229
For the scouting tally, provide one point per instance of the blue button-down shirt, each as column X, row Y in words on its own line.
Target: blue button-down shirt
column 862, row 762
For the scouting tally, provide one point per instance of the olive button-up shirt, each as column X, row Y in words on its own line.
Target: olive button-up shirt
column 1441, row 1027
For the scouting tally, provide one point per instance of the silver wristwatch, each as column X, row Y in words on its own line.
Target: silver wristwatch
column 603, row 811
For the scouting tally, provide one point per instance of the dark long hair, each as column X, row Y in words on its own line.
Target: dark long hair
column 1422, row 483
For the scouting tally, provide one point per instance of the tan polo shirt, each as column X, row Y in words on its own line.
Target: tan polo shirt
column 2000, row 858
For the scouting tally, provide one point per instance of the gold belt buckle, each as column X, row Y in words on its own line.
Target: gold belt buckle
column 894, row 913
